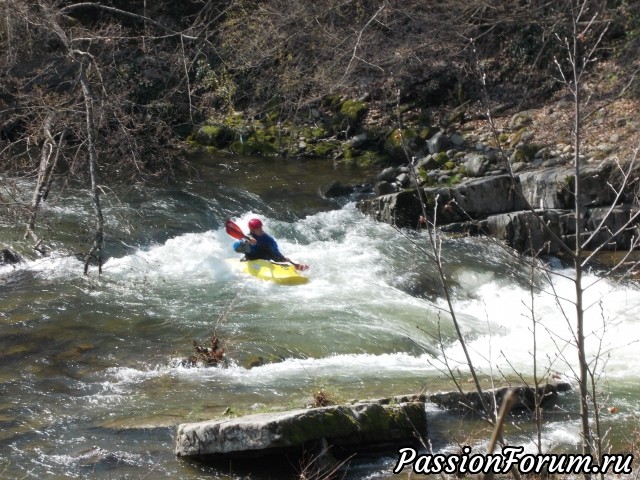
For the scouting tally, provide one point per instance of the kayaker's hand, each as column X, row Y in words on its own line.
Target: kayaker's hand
column 252, row 241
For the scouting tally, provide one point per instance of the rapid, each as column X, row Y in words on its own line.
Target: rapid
column 92, row 378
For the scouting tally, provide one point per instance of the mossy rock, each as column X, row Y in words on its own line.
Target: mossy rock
column 314, row 133
column 454, row 180
column 395, row 142
column 349, row 116
column 525, row 153
column 363, row 159
column 260, row 142
column 325, row 149
column 450, row 165
column 441, row 158
column 425, row 134
column 354, row 111
column 515, row 138
column 218, row 136
column 425, row 178
column 350, row 153
column 234, row 120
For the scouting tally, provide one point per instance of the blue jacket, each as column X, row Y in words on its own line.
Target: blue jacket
column 266, row 248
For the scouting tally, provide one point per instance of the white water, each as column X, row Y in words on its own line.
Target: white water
column 352, row 278
column 357, row 327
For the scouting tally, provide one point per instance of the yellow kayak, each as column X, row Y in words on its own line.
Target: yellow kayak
column 281, row 273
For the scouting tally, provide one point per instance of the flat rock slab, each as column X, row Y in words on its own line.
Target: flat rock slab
column 359, row 425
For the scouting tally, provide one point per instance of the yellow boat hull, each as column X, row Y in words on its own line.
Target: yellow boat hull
column 281, row 273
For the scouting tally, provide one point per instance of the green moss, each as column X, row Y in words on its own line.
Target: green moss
column 335, row 423
column 219, row 136
column 515, row 138
column 396, row 140
column 449, row 165
column 259, row 142
column 354, row 111
column 322, row 149
column 331, row 101
column 503, row 138
column 426, row 179
column 441, row 158
column 454, row 180
column 234, row 120
column 349, row 153
column 314, row 133
column 519, row 156
column 366, row 158
column 425, row 134
column 526, row 153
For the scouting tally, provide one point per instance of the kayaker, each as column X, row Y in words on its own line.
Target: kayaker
column 260, row 245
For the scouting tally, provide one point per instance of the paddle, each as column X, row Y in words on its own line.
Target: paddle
column 236, row 232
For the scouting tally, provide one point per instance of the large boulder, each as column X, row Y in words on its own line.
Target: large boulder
column 475, row 198
column 481, row 197
column 524, row 230
column 401, row 209
column 358, row 425
column 554, row 187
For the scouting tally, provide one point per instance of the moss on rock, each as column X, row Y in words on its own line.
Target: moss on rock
column 354, row 111
column 218, row 136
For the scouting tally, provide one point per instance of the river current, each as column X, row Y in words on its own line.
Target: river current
column 92, row 383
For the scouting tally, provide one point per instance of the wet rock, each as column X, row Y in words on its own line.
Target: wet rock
column 476, row 198
column 609, row 221
column 8, row 257
column 384, row 188
column 337, row 189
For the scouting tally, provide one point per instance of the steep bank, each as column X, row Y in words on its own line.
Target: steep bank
column 481, row 183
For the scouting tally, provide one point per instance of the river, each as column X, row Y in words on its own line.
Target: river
column 92, row 383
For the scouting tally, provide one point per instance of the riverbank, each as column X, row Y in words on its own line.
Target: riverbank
column 489, row 176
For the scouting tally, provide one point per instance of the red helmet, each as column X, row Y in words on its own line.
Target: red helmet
column 255, row 223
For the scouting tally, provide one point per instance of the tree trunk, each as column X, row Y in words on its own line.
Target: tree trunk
column 580, row 334
column 43, row 170
column 96, row 249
